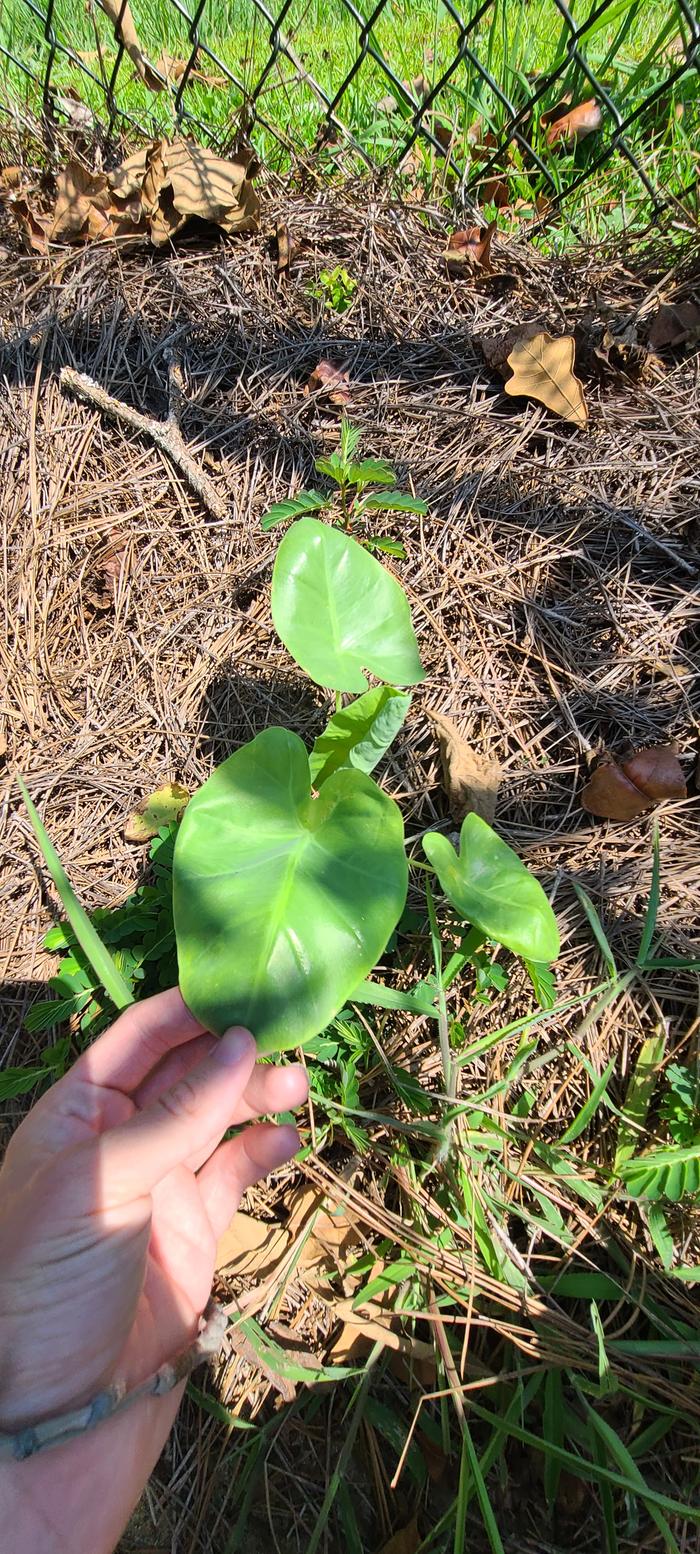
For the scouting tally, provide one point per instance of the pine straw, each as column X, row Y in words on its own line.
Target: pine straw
column 554, row 589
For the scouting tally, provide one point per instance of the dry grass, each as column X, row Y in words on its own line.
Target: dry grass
column 554, row 590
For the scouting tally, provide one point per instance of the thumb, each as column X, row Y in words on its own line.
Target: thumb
column 137, row 1154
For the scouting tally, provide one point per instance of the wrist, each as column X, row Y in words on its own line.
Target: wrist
column 77, row 1498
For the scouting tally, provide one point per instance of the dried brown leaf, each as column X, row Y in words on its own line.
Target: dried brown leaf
column 119, row 12
column 675, row 324
column 253, row 1247
column 543, row 369
column 657, row 772
column 406, row 1541
column 103, row 583
column 572, row 124
column 494, row 191
column 330, row 380
column 79, row 194
column 471, row 780
column 610, row 794
column 469, row 250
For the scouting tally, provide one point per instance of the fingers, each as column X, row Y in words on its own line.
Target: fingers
column 137, row 1041
column 240, row 1162
column 177, row 1126
column 268, row 1090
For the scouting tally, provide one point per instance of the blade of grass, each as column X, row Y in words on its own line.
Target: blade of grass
column 471, row 1467
column 589, row 1108
column 638, row 1099
column 598, row 930
column 89, row 940
column 653, row 904
column 619, row 1453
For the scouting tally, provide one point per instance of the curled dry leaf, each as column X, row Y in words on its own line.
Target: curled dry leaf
column 173, row 70
column 257, row 1247
column 675, row 324
column 543, row 369
column 564, row 125
column 469, row 250
column 622, row 790
column 285, row 250
column 331, row 381
column 161, row 808
column 494, row 191
column 119, row 12
column 471, row 780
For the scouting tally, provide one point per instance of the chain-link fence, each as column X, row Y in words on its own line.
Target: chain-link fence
column 502, row 102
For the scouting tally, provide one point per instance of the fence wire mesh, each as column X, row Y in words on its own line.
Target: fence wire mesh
column 498, row 102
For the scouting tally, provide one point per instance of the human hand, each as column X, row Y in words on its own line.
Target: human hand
column 113, row 1193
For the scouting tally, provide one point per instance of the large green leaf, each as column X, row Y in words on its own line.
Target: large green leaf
column 283, row 903
column 338, row 610
column 359, row 735
column 489, row 885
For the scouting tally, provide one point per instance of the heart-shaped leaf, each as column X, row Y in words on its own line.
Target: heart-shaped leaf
column 283, row 903
column 359, row 735
column 338, row 610
column 490, row 887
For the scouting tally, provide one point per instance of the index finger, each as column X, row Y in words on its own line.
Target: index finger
column 138, row 1040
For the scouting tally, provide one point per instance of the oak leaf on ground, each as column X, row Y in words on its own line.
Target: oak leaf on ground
column 543, row 369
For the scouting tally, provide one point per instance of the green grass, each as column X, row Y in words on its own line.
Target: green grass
column 632, row 49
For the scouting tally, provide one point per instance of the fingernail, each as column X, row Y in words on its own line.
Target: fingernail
column 235, row 1045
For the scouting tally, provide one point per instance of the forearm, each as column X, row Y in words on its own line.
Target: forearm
column 73, row 1499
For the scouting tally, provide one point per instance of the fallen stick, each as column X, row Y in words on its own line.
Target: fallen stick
column 165, row 434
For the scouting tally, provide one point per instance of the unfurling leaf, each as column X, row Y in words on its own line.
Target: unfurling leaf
column 359, row 735
column 294, row 507
column 490, row 887
column 338, row 611
column 622, row 790
column 470, row 250
column 543, row 369
column 162, row 808
column 565, row 125
column 471, row 780
column 283, row 903
column 331, row 381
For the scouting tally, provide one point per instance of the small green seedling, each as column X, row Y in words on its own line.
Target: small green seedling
column 354, row 501
column 290, row 868
column 335, row 289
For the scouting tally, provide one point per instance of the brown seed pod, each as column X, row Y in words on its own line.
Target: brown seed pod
column 622, row 790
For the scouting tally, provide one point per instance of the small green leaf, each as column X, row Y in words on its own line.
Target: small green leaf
column 589, row 1108
column 349, row 439
column 543, row 982
column 294, row 507
column 19, row 1081
column 339, row 611
column 376, row 471
column 638, row 1099
column 657, row 1226
column 489, row 886
column 664, row 1173
column 283, row 902
column 359, row 735
column 394, row 502
column 332, row 465
column 100, row 959
column 387, row 547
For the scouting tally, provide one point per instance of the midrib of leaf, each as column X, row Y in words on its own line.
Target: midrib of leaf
column 541, row 363
column 279, row 909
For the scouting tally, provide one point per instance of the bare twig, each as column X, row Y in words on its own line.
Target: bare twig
column 165, row 434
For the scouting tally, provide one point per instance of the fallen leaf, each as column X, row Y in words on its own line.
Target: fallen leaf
column 183, row 180
column 119, row 12
column 34, row 227
column 469, row 250
column 286, row 250
column 81, row 196
column 103, row 583
column 10, row 178
column 406, row 1541
column 657, row 772
column 173, row 69
column 331, row 381
column 161, row 808
column 569, row 125
column 471, row 780
column 327, row 1235
column 421, row 88
column 675, row 324
column 622, row 790
column 81, row 119
column 494, row 191
column 254, row 1248
column 543, row 369
column 623, row 353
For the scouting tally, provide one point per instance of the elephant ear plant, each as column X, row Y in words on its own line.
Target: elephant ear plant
column 290, row 869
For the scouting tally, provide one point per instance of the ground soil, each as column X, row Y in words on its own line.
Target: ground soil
column 554, row 583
